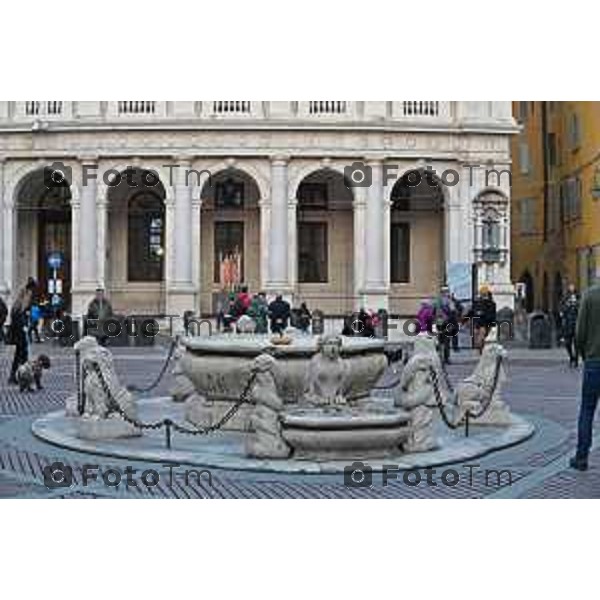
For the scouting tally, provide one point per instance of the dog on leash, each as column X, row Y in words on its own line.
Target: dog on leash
column 30, row 373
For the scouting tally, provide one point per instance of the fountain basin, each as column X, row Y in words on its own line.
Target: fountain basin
column 219, row 366
column 336, row 434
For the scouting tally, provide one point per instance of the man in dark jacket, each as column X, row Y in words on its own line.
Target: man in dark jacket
column 483, row 315
column 98, row 311
column 587, row 342
column 569, row 309
column 279, row 313
column 3, row 315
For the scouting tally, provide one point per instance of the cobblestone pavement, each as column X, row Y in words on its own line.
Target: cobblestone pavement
column 540, row 386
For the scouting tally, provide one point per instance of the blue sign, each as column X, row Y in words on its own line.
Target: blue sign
column 459, row 279
column 55, row 260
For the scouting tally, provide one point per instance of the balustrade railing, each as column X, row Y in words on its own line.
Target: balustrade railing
column 35, row 108
column 137, row 107
column 230, row 107
column 327, row 107
column 420, row 108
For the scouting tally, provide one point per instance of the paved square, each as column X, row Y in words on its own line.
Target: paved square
column 540, row 386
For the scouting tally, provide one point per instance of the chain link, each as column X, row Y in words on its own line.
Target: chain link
column 141, row 390
column 168, row 423
column 468, row 414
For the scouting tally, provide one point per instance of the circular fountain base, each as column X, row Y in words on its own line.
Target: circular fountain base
column 225, row 449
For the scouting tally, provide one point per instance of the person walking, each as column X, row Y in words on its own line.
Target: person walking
column 569, row 309
column 483, row 316
column 3, row 316
column 456, row 312
column 587, row 343
column 18, row 329
column 443, row 322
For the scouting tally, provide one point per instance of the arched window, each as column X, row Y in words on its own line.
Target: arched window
column 146, row 226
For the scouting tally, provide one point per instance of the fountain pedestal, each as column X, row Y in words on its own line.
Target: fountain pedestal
column 350, row 433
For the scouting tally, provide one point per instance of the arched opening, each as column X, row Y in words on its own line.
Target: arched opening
column 230, row 236
column 417, row 266
column 136, row 242
column 325, row 242
column 43, row 240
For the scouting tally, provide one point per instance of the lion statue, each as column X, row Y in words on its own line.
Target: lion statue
column 107, row 401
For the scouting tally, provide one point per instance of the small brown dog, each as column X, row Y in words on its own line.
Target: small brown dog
column 31, row 372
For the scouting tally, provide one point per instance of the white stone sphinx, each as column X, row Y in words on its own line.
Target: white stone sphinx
column 100, row 418
column 415, row 393
column 327, row 375
column 264, row 439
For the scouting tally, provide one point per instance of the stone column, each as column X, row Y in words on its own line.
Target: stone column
column 9, row 243
column 293, row 244
column 101, row 220
column 197, row 247
column 3, row 282
column 264, row 205
column 375, row 290
column 359, row 209
column 277, row 280
column 180, row 295
column 88, row 235
column 84, row 232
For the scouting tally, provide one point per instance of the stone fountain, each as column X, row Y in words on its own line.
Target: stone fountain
column 292, row 403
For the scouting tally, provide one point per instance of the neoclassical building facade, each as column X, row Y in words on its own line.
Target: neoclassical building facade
column 339, row 204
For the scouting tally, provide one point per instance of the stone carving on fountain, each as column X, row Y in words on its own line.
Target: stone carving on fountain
column 99, row 419
column 264, row 439
column 474, row 391
column 415, row 393
column 326, row 423
column 327, row 375
column 183, row 389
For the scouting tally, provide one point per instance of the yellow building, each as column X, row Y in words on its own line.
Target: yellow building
column 556, row 199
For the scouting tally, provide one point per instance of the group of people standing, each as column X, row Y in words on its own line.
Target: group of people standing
column 277, row 314
column 445, row 314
